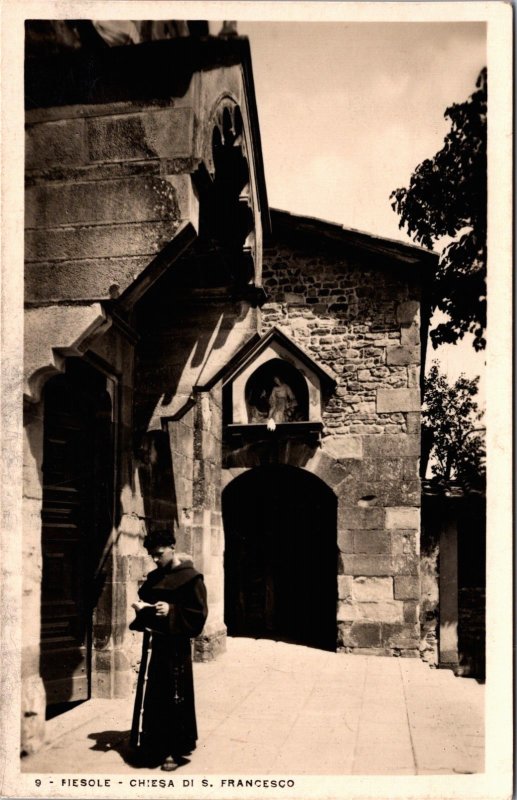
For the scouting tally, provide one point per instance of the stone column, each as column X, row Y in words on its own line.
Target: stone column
column 33, row 691
column 195, row 442
column 449, row 594
column 207, row 530
column 115, row 649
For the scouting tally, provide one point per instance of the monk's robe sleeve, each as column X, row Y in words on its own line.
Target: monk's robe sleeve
column 187, row 616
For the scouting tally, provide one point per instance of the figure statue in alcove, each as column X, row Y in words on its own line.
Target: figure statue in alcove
column 282, row 403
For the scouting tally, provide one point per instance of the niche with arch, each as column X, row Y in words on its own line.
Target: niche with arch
column 277, row 391
column 275, row 379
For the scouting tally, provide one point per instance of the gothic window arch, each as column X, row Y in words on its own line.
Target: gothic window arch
column 227, row 221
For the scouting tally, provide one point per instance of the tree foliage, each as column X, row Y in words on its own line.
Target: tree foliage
column 447, row 197
column 452, row 418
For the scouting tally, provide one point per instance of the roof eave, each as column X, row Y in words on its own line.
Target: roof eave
column 313, row 227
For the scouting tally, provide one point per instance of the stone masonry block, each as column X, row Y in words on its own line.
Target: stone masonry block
column 385, row 493
column 392, row 400
column 404, row 635
column 102, row 660
column 405, row 552
column 404, row 543
column 381, row 469
column 328, row 469
column 400, row 356
column 410, row 611
column 357, row 518
column 391, row 445
column 413, row 376
column 354, row 470
column 372, row 589
column 410, row 335
column 406, row 587
column 411, row 469
column 56, row 143
column 345, row 541
column 346, row 612
column 80, row 280
column 406, row 564
column 367, row 565
column 344, row 587
column 344, row 634
column 408, row 312
column 110, row 241
column 165, row 133
column 371, row 542
column 340, row 447
column 413, row 422
column 402, row 517
column 115, row 201
column 366, row 634
column 384, row 611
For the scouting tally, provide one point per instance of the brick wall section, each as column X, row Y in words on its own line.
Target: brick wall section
column 362, row 323
column 360, row 317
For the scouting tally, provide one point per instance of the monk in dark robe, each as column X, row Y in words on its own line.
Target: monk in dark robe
column 172, row 610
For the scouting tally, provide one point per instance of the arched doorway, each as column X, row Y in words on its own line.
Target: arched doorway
column 77, row 517
column 281, row 556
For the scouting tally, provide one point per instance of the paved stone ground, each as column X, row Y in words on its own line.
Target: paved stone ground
column 272, row 708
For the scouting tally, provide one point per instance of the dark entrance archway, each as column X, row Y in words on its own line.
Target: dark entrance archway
column 281, row 556
column 77, row 517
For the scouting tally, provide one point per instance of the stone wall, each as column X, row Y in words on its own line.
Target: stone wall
column 108, row 186
column 360, row 315
column 359, row 318
column 105, row 195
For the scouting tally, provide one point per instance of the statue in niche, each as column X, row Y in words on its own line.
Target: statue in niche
column 275, row 395
column 282, row 403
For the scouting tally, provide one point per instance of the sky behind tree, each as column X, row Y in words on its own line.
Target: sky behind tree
column 348, row 110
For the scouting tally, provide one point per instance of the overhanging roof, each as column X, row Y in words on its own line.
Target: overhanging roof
column 256, row 344
column 311, row 228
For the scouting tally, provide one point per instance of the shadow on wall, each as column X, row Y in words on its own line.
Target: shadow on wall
column 157, row 480
column 177, row 335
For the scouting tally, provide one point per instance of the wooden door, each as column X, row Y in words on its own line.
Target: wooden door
column 68, row 533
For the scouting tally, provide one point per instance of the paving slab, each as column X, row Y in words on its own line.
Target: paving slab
column 267, row 707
